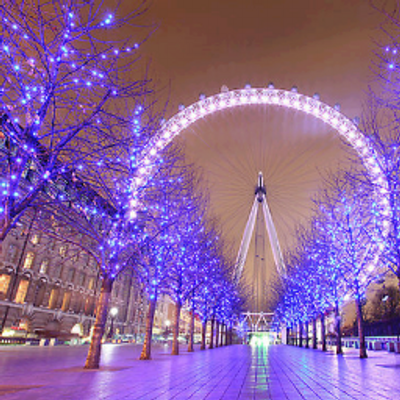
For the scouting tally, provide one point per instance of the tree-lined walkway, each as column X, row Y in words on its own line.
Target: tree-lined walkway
column 235, row 372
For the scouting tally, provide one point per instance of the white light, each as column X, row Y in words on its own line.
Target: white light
column 114, row 311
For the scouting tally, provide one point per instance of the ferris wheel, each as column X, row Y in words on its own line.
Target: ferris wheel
column 275, row 99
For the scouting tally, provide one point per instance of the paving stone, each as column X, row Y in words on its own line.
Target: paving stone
column 229, row 373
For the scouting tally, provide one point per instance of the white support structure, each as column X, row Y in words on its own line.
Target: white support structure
column 260, row 199
column 273, row 237
column 256, row 322
column 245, row 244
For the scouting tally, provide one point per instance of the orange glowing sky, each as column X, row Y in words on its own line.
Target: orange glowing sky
column 322, row 46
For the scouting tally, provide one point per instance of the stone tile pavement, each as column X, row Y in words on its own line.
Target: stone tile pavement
column 235, row 372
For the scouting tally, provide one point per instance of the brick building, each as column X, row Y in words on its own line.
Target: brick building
column 49, row 289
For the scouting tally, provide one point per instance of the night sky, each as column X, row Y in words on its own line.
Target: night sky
column 322, row 46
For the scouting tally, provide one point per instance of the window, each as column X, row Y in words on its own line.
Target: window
column 52, row 245
column 22, row 290
column 66, row 301
column 4, row 284
column 71, row 275
column 78, row 303
column 53, row 298
column 40, row 292
column 44, row 266
column 29, row 259
column 57, row 271
column 82, row 277
column 89, row 306
column 35, row 238
column 12, row 253
column 91, row 283
column 63, row 250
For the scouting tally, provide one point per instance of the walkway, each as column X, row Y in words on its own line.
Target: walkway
column 235, row 372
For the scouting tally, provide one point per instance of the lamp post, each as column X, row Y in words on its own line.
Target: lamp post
column 113, row 313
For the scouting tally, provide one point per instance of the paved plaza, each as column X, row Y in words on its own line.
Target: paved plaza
column 235, row 372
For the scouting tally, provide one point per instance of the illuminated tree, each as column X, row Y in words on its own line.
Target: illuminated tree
column 186, row 273
column 336, row 259
column 351, row 223
column 65, row 84
column 90, row 210
column 167, row 219
column 206, row 262
column 380, row 122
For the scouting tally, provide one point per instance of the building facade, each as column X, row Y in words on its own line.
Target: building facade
column 49, row 289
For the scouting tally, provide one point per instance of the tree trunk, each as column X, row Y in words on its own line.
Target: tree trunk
column 287, row 335
column 217, row 335
column 338, row 330
column 191, row 333
column 175, row 341
column 93, row 357
column 301, row 334
column 361, row 335
column 203, row 335
column 323, row 336
column 146, row 350
column 307, row 338
column 226, row 334
column 314, row 333
column 211, row 346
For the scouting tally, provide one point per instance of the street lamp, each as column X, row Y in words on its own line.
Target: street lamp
column 167, row 328
column 113, row 313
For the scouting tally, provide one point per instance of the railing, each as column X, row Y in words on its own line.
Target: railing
column 18, row 340
column 388, row 343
